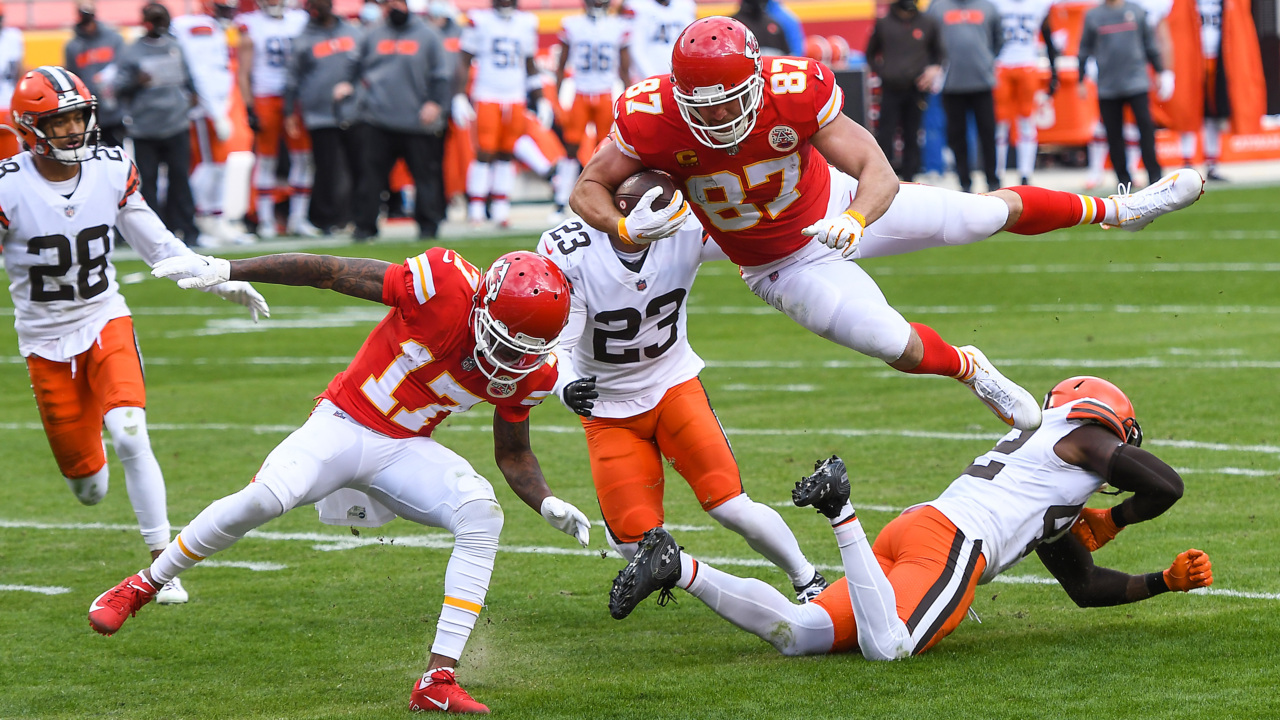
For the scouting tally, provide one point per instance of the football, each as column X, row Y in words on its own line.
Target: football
column 628, row 194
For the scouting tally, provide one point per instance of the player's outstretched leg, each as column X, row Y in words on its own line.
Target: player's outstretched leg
column 1044, row 210
column 656, row 567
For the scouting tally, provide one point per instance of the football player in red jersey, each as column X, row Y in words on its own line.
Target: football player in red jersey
column 454, row 338
column 750, row 138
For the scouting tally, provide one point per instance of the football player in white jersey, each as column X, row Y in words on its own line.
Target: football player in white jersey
column 1018, row 88
column 914, row 586
column 266, row 39
column 626, row 366
column 655, row 25
column 59, row 203
column 12, row 51
column 501, row 42
column 593, row 46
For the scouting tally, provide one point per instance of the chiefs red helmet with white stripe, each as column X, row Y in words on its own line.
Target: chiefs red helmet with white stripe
column 716, row 60
column 522, row 304
column 44, row 93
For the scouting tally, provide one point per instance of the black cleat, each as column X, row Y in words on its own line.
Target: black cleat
column 656, row 566
column 812, row 589
column 826, row 490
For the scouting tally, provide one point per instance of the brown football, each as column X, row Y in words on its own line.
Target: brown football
column 628, row 194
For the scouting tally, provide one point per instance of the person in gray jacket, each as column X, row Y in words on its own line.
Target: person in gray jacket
column 155, row 86
column 1117, row 37
column 92, row 53
column 972, row 35
column 322, row 57
column 404, row 80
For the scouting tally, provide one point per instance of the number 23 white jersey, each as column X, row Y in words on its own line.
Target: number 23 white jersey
column 627, row 328
column 1020, row 493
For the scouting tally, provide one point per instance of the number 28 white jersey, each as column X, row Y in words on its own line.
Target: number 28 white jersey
column 594, row 44
column 500, row 47
column 627, row 328
column 1020, row 493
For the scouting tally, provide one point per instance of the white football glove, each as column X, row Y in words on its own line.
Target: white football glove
column 567, row 519
column 546, row 113
column 842, row 232
column 193, row 271
column 223, row 128
column 242, row 293
column 1165, row 86
column 461, row 112
column 644, row 224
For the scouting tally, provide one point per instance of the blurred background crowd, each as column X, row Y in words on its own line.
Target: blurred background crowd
column 255, row 119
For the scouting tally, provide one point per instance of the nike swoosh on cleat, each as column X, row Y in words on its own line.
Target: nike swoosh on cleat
column 442, row 705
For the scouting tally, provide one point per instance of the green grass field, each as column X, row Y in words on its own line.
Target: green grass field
column 1182, row 316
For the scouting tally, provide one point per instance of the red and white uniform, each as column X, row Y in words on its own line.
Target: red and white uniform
column 755, row 202
column 416, row 367
column 272, row 40
column 654, row 29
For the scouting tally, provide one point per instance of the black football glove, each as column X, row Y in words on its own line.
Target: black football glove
column 252, row 117
column 580, row 395
column 1053, row 83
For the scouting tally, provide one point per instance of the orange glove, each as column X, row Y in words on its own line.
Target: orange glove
column 1190, row 570
column 1095, row 528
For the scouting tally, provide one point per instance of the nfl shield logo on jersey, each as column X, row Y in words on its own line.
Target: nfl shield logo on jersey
column 70, row 210
column 468, row 364
column 501, row 387
column 641, row 284
column 783, row 138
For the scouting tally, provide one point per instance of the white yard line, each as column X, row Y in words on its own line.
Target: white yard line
column 50, row 590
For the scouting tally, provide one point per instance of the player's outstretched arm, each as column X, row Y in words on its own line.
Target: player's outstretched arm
column 520, row 468
column 357, row 277
column 1091, row 586
column 852, row 150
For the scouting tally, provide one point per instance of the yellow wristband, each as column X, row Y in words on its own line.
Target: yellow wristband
column 857, row 216
column 622, row 233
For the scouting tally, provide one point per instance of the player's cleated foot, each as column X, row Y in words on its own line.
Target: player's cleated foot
column 268, row 230
column 109, row 611
column 826, row 490
column 439, row 691
column 655, row 567
column 303, row 228
column 811, row 589
column 1212, row 175
column 1015, row 406
column 172, row 593
column 1172, row 192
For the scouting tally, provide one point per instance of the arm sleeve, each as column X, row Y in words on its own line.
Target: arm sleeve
column 997, row 31
column 1149, row 45
column 937, row 50
column 145, row 233
column 1087, row 584
column 297, row 67
column 873, row 50
column 1087, row 38
column 1050, row 50
column 1155, row 485
column 439, row 78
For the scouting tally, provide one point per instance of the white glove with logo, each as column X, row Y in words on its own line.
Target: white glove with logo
column 461, row 112
column 242, row 293
column 222, row 127
column 193, row 271
column 546, row 114
column 1165, row 86
column 567, row 519
column 644, row 224
column 842, row 232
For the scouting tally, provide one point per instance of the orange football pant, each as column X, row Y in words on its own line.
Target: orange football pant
column 1015, row 93
column 270, row 111
column 73, row 397
column 596, row 109
column 626, row 459
column 499, row 126
column 914, row 551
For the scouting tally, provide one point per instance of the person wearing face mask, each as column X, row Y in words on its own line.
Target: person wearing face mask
column 154, row 84
column 905, row 51
column 12, row 50
column 322, row 58
column 756, row 16
column 91, row 53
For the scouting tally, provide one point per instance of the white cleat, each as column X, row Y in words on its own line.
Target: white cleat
column 1015, row 406
column 268, row 231
column 172, row 593
column 303, row 228
column 1172, row 192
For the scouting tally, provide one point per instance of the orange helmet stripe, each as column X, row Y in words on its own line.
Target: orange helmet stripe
column 1094, row 411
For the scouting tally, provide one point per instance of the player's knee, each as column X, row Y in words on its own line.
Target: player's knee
column 880, row 333
column 896, row 646
column 128, row 428
column 477, row 524
column 241, row 512
column 736, row 513
column 90, row 489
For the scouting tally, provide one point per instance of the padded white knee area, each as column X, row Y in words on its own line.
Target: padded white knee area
column 477, row 525
column 626, row 550
column 241, row 512
column 128, row 429
column 971, row 218
column 90, row 490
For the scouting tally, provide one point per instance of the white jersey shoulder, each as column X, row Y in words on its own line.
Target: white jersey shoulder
column 594, row 46
column 1020, row 493
column 500, row 46
column 204, row 44
column 654, row 29
column 1021, row 20
column 57, row 249
column 1157, row 10
column 272, row 43
column 634, row 340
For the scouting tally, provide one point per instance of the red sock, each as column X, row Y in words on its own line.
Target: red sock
column 940, row 356
column 1044, row 210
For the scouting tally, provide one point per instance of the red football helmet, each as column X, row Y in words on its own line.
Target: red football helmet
column 716, row 60
column 522, row 304
column 48, row 91
column 1104, row 404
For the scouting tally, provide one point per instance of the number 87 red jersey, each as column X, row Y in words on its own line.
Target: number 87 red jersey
column 754, row 201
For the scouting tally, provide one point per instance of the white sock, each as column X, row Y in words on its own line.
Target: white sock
column 1002, row 146
column 767, row 533
column 1132, row 150
column 216, row 528
column 476, row 526
column 264, row 179
column 200, row 184
column 216, row 174
column 1212, row 141
column 90, row 490
column 758, row 608
column 567, row 171
column 479, row 182
column 299, row 203
column 235, row 184
column 1097, row 152
column 1028, row 145
column 528, row 152
column 504, row 181
column 881, row 633
column 1188, row 142
column 142, row 477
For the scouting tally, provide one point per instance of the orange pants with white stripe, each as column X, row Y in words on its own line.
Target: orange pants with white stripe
column 934, row 570
column 626, row 460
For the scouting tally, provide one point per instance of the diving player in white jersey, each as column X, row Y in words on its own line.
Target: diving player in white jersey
column 501, row 42
column 264, row 64
column 593, row 46
column 914, row 586
column 59, row 203
column 626, row 366
column 1025, row 22
column 655, row 25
